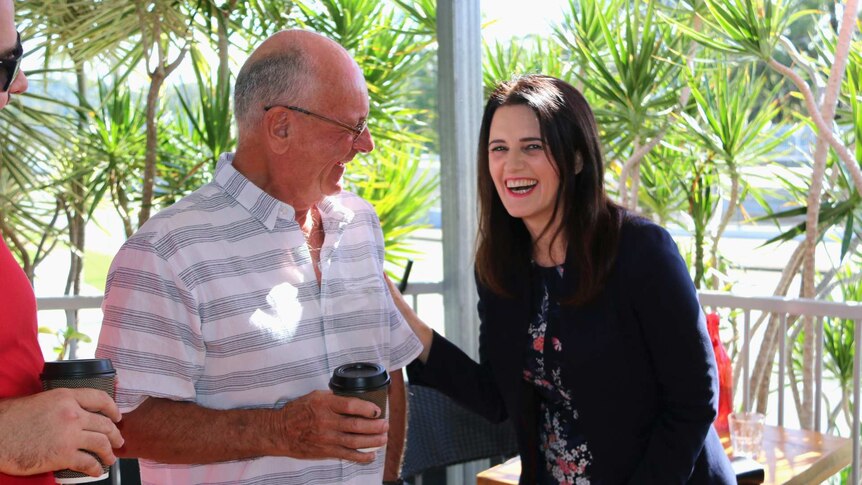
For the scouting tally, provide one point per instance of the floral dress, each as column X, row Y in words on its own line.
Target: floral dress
column 565, row 451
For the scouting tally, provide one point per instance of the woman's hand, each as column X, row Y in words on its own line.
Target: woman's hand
column 420, row 328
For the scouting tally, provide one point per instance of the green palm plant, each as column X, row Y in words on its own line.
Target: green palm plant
column 851, row 118
column 347, row 22
column 68, row 159
column 754, row 29
column 699, row 182
column 401, row 193
column 840, row 208
column 632, row 71
column 209, row 127
column 390, row 58
column 521, row 56
column 147, row 30
column 838, row 347
column 254, row 20
column 423, row 13
column 117, row 138
column 748, row 28
column 659, row 195
column 582, row 24
column 734, row 121
column 29, row 218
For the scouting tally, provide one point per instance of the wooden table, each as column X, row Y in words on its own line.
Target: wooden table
column 789, row 456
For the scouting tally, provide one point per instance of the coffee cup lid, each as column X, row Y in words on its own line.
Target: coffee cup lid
column 70, row 369
column 359, row 376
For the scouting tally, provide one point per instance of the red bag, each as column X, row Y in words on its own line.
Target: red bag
column 725, row 376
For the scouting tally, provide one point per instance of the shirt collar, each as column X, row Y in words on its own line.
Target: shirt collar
column 262, row 206
column 258, row 203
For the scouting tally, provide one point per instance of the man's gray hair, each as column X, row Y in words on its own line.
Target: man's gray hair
column 275, row 79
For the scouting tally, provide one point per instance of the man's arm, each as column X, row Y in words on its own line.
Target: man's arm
column 317, row 425
column 49, row 431
column 397, row 426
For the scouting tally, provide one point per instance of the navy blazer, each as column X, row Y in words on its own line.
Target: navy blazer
column 641, row 369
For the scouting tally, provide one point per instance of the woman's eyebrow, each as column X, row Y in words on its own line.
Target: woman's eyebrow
column 526, row 138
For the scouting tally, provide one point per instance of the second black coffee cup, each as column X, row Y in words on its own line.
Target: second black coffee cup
column 367, row 381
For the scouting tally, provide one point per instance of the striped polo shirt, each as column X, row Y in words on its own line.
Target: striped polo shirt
column 215, row 301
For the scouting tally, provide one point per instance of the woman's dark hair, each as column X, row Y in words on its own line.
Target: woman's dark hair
column 590, row 221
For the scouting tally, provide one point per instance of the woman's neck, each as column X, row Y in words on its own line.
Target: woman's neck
column 549, row 251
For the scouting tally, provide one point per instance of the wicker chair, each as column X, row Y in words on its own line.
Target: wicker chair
column 442, row 433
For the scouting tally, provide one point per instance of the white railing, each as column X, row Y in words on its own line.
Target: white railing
column 782, row 308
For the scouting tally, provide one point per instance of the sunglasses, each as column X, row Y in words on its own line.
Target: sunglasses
column 9, row 68
column 356, row 130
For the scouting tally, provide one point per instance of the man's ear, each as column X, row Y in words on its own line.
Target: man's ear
column 276, row 123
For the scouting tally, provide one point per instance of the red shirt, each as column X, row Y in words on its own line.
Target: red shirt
column 20, row 356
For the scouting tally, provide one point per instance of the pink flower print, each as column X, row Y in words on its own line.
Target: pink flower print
column 558, row 346
column 539, row 343
column 562, row 465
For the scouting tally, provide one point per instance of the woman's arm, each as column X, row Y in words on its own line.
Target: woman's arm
column 420, row 328
column 678, row 344
column 445, row 367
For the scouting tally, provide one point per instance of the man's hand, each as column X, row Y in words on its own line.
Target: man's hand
column 323, row 425
column 48, row 431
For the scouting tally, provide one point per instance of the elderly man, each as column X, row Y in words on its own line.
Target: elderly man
column 39, row 431
column 226, row 313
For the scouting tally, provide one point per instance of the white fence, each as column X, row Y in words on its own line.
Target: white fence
column 784, row 309
column 781, row 308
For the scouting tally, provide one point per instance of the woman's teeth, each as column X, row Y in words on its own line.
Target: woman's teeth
column 521, row 186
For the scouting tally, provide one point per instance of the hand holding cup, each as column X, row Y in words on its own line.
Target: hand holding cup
column 324, row 425
column 49, row 431
column 94, row 380
column 366, row 381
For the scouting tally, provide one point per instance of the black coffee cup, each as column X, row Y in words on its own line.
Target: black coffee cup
column 369, row 382
column 77, row 374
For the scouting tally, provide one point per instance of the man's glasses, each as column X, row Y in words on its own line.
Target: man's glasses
column 9, row 67
column 356, row 130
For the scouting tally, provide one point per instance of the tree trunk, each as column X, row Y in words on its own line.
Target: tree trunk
column 634, row 199
column 639, row 152
column 76, row 214
column 223, row 45
column 825, row 135
column 157, row 78
column 725, row 221
column 762, row 369
column 18, row 246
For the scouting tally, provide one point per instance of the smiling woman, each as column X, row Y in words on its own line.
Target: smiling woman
column 591, row 332
column 526, row 179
